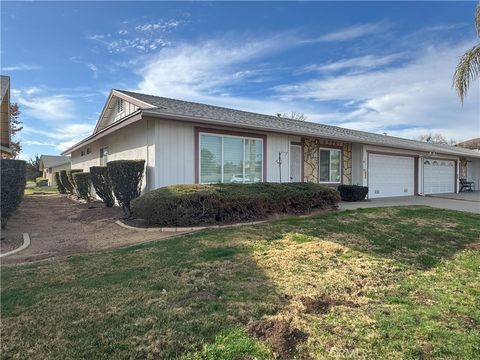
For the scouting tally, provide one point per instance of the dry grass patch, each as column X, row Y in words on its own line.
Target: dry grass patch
column 373, row 284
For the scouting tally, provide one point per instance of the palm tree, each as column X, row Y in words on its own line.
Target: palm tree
column 468, row 68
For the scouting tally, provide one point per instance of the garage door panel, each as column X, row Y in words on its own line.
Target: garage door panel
column 390, row 175
column 438, row 176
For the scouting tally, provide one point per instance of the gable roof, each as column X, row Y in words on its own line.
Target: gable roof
column 48, row 161
column 186, row 110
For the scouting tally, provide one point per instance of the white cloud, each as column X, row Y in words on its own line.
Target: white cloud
column 404, row 100
column 94, row 69
column 20, row 67
column 203, row 67
column 352, row 32
column 357, row 63
column 54, row 107
column 62, row 138
column 161, row 25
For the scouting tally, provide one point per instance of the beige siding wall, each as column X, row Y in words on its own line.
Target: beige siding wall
column 50, row 176
column 128, row 143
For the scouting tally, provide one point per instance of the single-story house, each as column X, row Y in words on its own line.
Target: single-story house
column 185, row 143
column 50, row 164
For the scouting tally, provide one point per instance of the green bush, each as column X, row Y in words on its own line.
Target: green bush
column 126, row 177
column 41, row 181
column 72, row 181
column 60, row 187
column 82, row 184
column 189, row 205
column 65, row 182
column 353, row 192
column 13, row 176
column 102, row 184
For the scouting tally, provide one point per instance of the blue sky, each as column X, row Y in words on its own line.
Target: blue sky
column 374, row 66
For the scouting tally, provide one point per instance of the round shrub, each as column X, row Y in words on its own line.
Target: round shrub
column 126, row 178
column 102, row 184
column 13, row 175
column 61, row 189
column 190, row 205
column 82, row 184
column 353, row 192
column 66, row 182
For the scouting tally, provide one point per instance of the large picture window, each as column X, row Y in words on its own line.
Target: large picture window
column 330, row 170
column 230, row 159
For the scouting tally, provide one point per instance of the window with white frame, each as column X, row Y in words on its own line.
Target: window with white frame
column 103, row 156
column 230, row 159
column 330, row 170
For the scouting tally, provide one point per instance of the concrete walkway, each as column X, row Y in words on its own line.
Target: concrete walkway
column 465, row 196
column 437, row 202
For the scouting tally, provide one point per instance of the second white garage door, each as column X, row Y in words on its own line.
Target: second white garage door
column 438, row 176
column 390, row 175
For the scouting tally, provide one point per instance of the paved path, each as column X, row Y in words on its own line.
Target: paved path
column 437, row 202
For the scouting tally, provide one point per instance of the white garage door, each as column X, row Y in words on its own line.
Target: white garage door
column 390, row 175
column 438, row 176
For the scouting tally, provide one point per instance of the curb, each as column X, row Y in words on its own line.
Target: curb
column 184, row 229
column 26, row 243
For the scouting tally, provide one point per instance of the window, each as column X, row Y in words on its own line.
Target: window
column 119, row 105
column 89, row 150
column 230, row 159
column 330, row 166
column 103, row 156
column 82, row 153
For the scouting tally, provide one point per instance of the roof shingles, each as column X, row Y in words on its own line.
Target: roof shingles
column 273, row 123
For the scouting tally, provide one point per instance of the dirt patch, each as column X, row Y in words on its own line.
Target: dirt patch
column 60, row 226
column 321, row 305
column 475, row 246
column 280, row 335
column 10, row 243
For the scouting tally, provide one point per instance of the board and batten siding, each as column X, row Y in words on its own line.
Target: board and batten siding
column 129, row 143
column 357, row 164
column 175, row 152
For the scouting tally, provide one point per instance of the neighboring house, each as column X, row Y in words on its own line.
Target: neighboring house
column 473, row 172
column 6, row 134
column 50, row 164
column 184, row 143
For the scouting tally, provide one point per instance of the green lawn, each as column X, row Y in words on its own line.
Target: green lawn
column 32, row 189
column 391, row 283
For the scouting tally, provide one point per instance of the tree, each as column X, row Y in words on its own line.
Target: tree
column 436, row 139
column 15, row 127
column 33, row 168
column 295, row 115
column 468, row 68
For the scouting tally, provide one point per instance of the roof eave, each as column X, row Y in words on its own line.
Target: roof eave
column 167, row 115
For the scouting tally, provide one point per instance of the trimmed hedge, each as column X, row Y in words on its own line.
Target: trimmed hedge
column 82, row 184
column 353, row 192
column 189, row 205
column 102, row 184
column 126, row 177
column 13, row 175
column 65, row 182
column 61, row 189
column 72, row 181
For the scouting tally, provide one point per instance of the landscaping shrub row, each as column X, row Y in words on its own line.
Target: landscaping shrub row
column 190, row 205
column 82, row 184
column 13, row 176
column 61, row 189
column 353, row 192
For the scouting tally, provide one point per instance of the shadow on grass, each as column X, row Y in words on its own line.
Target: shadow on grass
column 192, row 296
column 158, row 300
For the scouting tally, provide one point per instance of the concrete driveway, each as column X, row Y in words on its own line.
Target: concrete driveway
column 460, row 202
column 465, row 196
